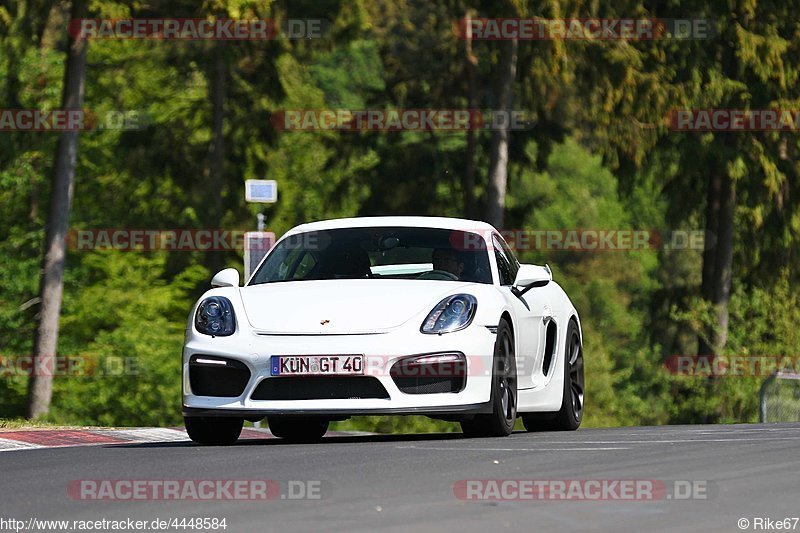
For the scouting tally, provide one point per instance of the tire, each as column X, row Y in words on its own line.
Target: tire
column 569, row 417
column 298, row 429
column 500, row 423
column 213, row 431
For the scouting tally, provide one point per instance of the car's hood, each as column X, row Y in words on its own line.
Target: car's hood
column 341, row 306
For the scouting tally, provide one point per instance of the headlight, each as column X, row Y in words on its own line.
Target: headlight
column 451, row 314
column 215, row 317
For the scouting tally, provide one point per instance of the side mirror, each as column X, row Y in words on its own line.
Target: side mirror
column 226, row 278
column 531, row 276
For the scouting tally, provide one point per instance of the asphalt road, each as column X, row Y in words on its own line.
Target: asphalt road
column 406, row 482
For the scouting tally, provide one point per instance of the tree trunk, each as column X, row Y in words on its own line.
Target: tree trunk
column 470, row 67
column 216, row 167
column 724, row 263
column 52, row 276
column 708, row 287
column 718, row 260
column 498, row 158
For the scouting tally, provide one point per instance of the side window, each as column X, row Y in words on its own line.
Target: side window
column 506, row 271
column 512, row 259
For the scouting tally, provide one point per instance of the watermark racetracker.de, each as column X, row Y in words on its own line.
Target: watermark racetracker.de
column 623, row 490
column 732, row 366
column 193, row 29
column 58, row 120
column 124, row 490
column 586, row 239
column 68, row 366
column 584, row 29
column 442, row 120
column 734, row 120
column 172, row 240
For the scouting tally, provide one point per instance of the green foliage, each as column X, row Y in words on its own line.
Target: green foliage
column 763, row 336
column 124, row 323
column 608, row 287
column 351, row 76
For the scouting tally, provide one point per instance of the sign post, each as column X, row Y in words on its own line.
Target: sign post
column 258, row 243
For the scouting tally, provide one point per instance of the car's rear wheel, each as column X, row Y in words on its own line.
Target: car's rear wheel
column 213, row 431
column 570, row 415
column 500, row 423
column 298, row 429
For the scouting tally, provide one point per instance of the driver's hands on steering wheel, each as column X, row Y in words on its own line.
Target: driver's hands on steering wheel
column 442, row 275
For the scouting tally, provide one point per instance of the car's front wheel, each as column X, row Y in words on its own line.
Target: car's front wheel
column 500, row 423
column 298, row 429
column 213, row 431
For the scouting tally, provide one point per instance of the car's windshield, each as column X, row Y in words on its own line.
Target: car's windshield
column 377, row 252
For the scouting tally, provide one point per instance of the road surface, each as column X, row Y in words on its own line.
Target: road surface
column 693, row 478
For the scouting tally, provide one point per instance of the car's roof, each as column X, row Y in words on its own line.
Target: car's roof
column 409, row 222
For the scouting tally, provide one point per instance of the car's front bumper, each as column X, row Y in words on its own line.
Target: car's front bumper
column 381, row 351
column 438, row 410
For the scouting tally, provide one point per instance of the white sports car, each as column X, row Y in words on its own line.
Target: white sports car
column 379, row 316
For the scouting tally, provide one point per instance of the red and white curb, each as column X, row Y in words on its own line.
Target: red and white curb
column 63, row 438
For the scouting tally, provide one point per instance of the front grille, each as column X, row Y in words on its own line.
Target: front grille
column 319, row 388
column 429, row 385
column 210, row 379
column 415, row 376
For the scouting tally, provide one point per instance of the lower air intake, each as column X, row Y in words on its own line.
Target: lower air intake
column 429, row 385
column 217, row 376
column 319, row 388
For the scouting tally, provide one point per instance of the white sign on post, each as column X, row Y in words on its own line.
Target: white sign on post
column 261, row 191
column 258, row 243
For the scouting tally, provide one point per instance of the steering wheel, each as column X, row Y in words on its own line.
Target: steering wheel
column 441, row 275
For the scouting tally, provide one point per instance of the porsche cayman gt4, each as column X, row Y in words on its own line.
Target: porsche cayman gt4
column 383, row 316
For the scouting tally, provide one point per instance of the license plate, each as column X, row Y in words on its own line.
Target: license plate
column 317, row 365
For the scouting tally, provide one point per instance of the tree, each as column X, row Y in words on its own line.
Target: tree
column 747, row 64
column 498, row 162
column 736, row 183
column 55, row 250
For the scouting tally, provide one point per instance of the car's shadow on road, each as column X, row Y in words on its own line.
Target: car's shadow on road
column 268, row 440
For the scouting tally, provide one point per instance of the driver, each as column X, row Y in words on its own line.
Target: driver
column 447, row 260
